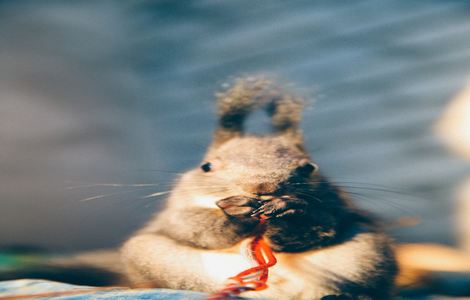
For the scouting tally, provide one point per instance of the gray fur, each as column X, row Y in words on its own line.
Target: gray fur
column 324, row 245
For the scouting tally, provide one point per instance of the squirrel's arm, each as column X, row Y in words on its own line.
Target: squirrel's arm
column 153, row 260
column 207, row 228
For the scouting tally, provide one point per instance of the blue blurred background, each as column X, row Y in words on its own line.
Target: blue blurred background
column 98, row 92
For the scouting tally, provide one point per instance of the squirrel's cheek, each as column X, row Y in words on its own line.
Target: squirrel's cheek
column 206, row 201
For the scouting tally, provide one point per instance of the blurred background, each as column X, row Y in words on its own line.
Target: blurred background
column 94, row 94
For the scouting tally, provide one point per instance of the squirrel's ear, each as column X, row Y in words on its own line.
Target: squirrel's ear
column 250, row 93
column 235, row 104
column 285, row 111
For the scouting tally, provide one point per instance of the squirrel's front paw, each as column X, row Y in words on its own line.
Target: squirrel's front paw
column 238, row 206
column 281, row 207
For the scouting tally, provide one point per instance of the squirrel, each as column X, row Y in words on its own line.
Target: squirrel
column 326, row 247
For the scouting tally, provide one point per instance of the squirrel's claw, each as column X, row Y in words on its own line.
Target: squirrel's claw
column 280, row 207
column 238, row 205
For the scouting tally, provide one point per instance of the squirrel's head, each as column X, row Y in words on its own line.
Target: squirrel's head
column 239, row 164
column 253, row 165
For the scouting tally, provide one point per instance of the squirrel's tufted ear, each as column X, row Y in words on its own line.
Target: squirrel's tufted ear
column 285, row 111
column 235, row 104
column 250, row 93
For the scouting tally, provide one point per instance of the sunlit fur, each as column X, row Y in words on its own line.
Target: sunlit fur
column 454, row 125
column 324, row 247
column 454, row 128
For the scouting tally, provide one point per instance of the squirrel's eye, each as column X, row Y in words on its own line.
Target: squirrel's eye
column 206, row 167
column 306, row 168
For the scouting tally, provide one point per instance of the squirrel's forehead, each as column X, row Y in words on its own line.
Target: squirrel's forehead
column 260, row 151
column 261, row 165
column 251, row 142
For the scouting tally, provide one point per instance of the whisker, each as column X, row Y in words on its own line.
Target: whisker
column 101, row 196
column 363, row 186
column 161, row 171
column 378, row 199
column 384, row 190
column 309, row 195
column 156, row 194
column 112, row 185
column 201, row 188
column 377, row 202
column 358, row 183
column 145, row 185
column 98, row 197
